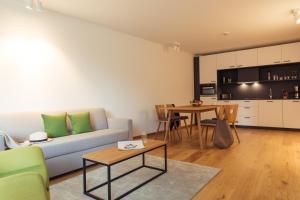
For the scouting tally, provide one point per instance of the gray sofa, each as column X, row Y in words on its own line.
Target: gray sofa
column 63, row 154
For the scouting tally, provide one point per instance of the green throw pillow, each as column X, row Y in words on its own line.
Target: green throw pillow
column 55, row 125
column 80, row 122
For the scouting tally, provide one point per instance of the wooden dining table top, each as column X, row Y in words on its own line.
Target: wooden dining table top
column 190, row 108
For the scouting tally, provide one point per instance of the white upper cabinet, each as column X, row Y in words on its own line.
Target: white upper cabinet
column 208, row 69
column 269, row 55
column 246, row 58
column 226, row 60
column 291, row 52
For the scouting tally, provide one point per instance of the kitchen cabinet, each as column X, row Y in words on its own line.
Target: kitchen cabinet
column 269, row 55
column 270, row 113
column 291, row 110
column 247, row 113
column 291, row 52
column 246, row 58
column 208, row 69
column 226, row 60
column 209, row 101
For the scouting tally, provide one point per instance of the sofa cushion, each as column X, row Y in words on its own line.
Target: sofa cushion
column 74, row 143
column 80, row 122
column 55, row 125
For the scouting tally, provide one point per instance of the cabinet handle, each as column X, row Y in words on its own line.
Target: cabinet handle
column 276, row 61
column 247, row 107
column 247, row 117
column 295, row 101
column 286, row 61
column 270, row 101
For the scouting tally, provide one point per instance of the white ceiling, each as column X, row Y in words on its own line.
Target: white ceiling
column 196, row 24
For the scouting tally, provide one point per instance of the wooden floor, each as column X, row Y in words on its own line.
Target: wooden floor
column 265, row 165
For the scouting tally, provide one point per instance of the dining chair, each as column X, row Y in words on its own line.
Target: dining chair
column 162, row 117
column 179, row 119
column 228, row 112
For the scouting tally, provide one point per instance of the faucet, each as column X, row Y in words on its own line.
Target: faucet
column 270, row 93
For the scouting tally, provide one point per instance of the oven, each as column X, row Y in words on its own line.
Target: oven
column 208, row 89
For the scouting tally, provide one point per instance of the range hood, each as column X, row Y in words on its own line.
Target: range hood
column 248, row 75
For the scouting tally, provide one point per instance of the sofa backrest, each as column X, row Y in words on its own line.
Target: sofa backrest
column 21, row 125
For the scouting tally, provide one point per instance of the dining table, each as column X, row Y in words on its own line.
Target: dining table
column 194, row 111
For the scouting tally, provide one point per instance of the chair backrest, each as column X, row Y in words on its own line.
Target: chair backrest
column 228, row 112
column 161, row 112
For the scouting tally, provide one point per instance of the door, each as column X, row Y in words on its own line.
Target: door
column 270, row 113
column 226, row 60
column 208, row 69
column 209, row 101
column 246, row 58
column 291, row 110
column 291, row 52
column 269, row 55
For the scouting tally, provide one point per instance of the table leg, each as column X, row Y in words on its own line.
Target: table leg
column 191, row 126
column 199, row 129
column 84, row 176
column 168, row 125
column 166, row 159
column 216, row 111
column 108, row 183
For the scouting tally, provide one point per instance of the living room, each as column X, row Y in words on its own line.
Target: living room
column 207, row 99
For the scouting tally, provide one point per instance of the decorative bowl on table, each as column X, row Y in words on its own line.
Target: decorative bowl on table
column 196, row 103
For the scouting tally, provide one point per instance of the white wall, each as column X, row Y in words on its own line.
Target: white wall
column 50, row 61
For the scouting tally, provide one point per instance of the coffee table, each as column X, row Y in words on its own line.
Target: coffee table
column 111, row 156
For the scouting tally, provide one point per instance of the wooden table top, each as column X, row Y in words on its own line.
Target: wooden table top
column 190, row 108
column 113, row 155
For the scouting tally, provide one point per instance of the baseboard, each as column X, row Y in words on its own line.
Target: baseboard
column 268, row 128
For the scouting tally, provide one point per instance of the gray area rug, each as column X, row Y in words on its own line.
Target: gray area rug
column 182, row 181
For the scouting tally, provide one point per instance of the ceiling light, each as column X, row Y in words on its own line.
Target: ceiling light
column 39, row 6
column 296, row 13
column 34, row 5
column 225, row 33
column 29, row 4
column 176, row 46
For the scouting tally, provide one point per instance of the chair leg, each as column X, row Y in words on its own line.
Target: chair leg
column 176, row 127
column 157, row 131
column 187, row 130
column 236, row 133
column 206, row 133
column 213, row 134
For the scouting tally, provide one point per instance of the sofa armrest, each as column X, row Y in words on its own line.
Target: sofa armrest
column 117, row 123
column 24, row 186
column 2, row 144
column 25, row 159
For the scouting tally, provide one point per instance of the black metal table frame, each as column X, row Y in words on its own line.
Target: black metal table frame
column 110, row 180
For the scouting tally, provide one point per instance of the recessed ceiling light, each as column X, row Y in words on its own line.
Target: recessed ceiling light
column 225, row 33
column 29, row 4
column 176, row 46
column 34, row 5
column 296, row 13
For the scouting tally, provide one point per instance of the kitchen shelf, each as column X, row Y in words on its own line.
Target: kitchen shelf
column 270, row 81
